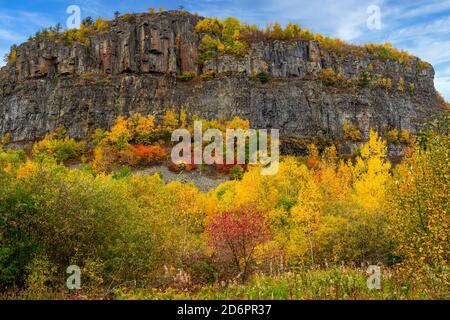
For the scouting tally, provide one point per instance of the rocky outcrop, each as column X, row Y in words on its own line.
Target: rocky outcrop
column 133, row 67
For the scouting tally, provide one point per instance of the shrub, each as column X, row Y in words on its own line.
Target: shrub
column 404, row 137
column 80, row 35
column 209, row 48
column 120, row 134
column 11, row 57
column 351, row 132
column 209, row 25
column 181, row 167
column 420, row 220
column 392, row 136
column 263, row 77
column 401, row 85
column 235, row 234
column 127, row 17
column 123, row 173
column 61, row 148
column 381, row 82
column 422, row 65
column 411, row 88
column 5, row 139
column 330, row 77
column 186, row 76
column 101, row 25
column 236, row 172
column 364, row 79
column 149, row 154
column 143, row 129
column 209, row 75
column 388, row 52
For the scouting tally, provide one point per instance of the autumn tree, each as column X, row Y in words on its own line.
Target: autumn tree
column 421, row 215
column 235, row 234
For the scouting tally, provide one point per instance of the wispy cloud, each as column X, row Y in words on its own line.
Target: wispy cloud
column 11, row 36
column 421, row 27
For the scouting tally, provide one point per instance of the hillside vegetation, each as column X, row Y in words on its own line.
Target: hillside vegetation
column 308, row 232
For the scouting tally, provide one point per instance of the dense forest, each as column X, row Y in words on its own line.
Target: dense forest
column 308, row 232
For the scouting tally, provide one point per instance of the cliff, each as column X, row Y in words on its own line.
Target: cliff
column 133, row 67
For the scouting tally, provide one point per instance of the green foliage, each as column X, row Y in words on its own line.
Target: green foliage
column 186, row 76
column 127, row 17
column 58, row 146
column 337, row 283
column 411, row 88
column 388, row 52
column 236, row 173
column 364, row 79
column 220, row 37
column 209, row 75
column 263, row 77
column 395, row 136
column 148, row 239
column 124, row 172
column 422, row 65
column 209, row 48
column 88, row 27
column 420, row 215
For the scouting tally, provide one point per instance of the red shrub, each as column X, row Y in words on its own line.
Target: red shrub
column 226, row 168
column 234, row 236
column 313, row 163
column 178, row 167
column 148, row 154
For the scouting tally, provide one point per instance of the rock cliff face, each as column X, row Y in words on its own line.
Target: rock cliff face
column 133, row 67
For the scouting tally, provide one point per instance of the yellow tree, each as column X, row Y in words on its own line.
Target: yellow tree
column 306, row 217
column 369, row 199
column 421, row 215
column 371, row 173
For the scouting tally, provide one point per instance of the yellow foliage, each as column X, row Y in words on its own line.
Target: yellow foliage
column 238, row 123
column 392, row 136
column 209, row 25
column 351, row 132
column 371, row 174
column 420, row 213
column 313, row 152
column 12, row 55
column 28, row 169
column 101, row 24
column 401, row 84
column 120, row 134
column 170, row 121
column 330, row 77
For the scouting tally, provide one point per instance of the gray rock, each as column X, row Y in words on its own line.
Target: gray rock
column 133, row 67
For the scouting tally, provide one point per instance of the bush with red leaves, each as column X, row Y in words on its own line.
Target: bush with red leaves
column 234, row 236
column 148, row 154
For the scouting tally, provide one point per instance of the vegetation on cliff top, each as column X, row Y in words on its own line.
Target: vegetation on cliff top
column 230, row 36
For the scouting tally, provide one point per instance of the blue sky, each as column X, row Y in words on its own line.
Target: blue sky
column 421, row 27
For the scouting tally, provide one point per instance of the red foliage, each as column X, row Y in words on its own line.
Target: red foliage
column 148, row 154
column 226, row 168
column 312, row 163
column 235, row 234
column 178, row 167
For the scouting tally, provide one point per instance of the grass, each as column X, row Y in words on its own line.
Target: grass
column 330, row 284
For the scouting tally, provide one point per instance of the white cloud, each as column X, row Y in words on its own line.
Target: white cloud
column 443, row 86
column 10, row 36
